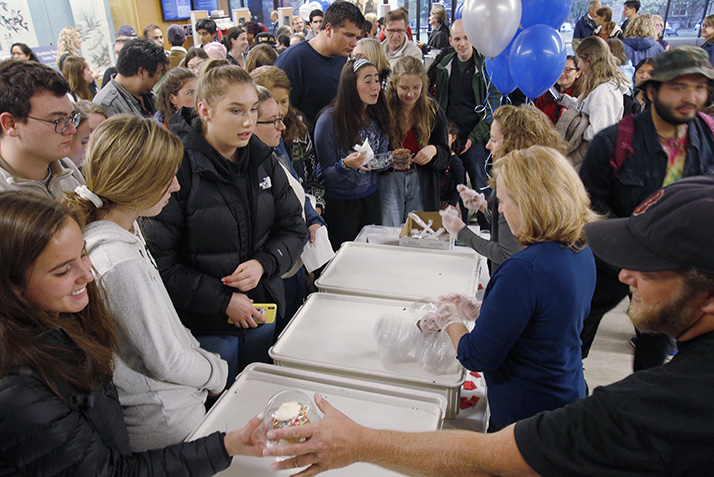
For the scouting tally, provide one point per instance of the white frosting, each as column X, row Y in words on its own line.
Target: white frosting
column 288, row 410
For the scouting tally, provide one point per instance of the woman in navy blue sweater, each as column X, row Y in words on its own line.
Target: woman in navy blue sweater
column 359, row 113
column 526, row 340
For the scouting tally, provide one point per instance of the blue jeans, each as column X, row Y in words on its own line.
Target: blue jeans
column 474, row 160
column 399, row 194
column 240, row 351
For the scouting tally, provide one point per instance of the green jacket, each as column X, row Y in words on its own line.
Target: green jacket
column 482, row 129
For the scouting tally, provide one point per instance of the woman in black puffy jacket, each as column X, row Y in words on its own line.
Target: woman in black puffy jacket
column 224, row 239
column 59, row 411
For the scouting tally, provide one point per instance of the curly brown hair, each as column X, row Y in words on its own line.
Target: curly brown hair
column 525, row 126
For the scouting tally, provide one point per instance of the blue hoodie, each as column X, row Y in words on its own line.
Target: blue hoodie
column 637, row 49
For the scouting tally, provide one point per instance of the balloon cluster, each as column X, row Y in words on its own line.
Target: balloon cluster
column 521, row 40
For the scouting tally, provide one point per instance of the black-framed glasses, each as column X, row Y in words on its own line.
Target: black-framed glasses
column 62, row 124
column 568, row 69
column 274, row 122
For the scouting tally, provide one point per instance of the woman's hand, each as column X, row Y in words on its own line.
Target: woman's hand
column 472, row 200
column 246, row 276
column 245, row 441
column 313, row 230
column 242, row 312
column 425, row 155
column 355, row 161
column 452, row 223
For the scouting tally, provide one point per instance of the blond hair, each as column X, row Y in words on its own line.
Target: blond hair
column 66, row 43
column 603, row 66
column 424, row 112
column 552, row 199
column 643, row 26
column 215, row 80
column 130, row 163
column 525, row 126
column 374, row 52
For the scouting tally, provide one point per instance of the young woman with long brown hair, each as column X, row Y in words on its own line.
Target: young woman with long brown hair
column 419, row 125
column 81, row 82
column 59, row 411
column 358, row 113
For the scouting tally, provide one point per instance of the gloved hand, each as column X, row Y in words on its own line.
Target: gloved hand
column 467, row 308
column 472, row 200
column 452, row 223
column 444, row 315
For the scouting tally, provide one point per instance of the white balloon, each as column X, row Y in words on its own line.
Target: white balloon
column 491, row 24
column 304, row 10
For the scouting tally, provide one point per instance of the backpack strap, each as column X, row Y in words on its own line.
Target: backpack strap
column 708, row 120
column 623, row 146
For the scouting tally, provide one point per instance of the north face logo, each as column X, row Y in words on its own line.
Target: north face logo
column 265, row 183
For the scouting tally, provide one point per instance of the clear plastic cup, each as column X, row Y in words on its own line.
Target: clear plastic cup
column 435, row 353
column 305, row 412
column 380, row 161
column 396, row 336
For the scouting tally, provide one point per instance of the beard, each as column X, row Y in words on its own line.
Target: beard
column 668, row 113
column 671, row 318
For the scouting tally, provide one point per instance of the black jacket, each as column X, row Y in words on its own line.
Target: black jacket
column 643, row 172
column 429, row 173
column 224, row 215
column 84, row 434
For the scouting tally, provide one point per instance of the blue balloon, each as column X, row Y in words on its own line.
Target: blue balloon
column 325, row 4
column 545, row 12
column 537, row 58
column 459, row 9
column 498, row 69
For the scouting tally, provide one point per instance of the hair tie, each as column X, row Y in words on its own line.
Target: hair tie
column 86, row 194
column 360, row 62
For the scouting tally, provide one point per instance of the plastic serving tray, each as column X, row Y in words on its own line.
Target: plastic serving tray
column 386, row 407
column 402, row 273
column 333, row 333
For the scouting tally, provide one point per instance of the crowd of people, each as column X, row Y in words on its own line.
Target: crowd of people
column 145, row 222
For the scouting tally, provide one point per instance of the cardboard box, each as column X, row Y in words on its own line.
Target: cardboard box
column 446, row 242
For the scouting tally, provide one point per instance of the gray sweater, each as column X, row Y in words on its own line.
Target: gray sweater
column 161, row 372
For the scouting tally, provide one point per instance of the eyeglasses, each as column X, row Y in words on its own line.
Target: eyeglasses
column 391, row 31
column 62, row 124
column 568, row 69
column 275, row 122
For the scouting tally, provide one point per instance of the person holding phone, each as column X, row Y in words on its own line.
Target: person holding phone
column 224, row 240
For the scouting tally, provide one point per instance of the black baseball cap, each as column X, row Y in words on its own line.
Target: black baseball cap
column 668, row 231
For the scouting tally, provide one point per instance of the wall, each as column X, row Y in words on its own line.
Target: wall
column 139, row 13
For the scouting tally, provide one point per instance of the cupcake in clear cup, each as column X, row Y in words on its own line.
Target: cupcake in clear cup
column 289, row 408
column 396, row 336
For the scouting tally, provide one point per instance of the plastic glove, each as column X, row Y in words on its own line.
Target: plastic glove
column 466, row 307
column 472, row 200
column 452, row 223
column 438, row 320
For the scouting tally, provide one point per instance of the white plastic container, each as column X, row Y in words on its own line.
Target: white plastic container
column 386, row 407
column 334, row 333
column 400, row 273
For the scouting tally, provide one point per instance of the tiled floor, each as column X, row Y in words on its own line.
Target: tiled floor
column 610, row 357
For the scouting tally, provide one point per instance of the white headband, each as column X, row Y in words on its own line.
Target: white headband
column 86, row 194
